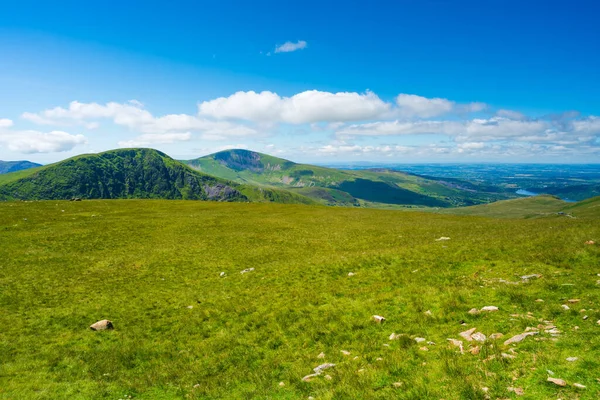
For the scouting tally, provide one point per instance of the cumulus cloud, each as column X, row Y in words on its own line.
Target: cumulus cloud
column 306, row 107
column 5, row 123
column 135, row 117
column 156, row 138
column 30, row 141
column 288, row 47
column 412, row 105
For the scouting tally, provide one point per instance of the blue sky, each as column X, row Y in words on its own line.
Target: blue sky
column 393, row 81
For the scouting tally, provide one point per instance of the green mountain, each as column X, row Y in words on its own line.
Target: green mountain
column 12, row 166
column 130, row 173
column 374, row 188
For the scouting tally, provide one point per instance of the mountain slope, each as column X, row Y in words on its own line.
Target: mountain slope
column 129, row 173
column 532, row 207
column 373, row 188
column 13, row 166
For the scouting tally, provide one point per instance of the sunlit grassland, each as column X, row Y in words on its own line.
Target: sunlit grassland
column 142, row 263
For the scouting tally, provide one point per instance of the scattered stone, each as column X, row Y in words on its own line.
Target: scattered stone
column 420, row 339
column 519, row 338
column 572, row 359
column 518, row 391
column 478, row 337
column 428, row 313
column 532, row 276
column 393, row 336
column 457, row 343
column 579, row 386
column 445, row 238
column 506, row 355
column 585, row 317
column 309, row 378
column 397, row 384
column 539, row 301
column 321, row 355
column 281, row 384
column 489, row 308
column 431, row 343
column 360, row 371
column 379, row 359
column 495, row 336
column 467, row 334
column 247, row 270
column 222, row 274
column 328, row 377
column 102, row 325
column 423, row 348
column 351, row 274
column 196, row 386
column 590, row 242
column 573, row 301
column 356, row 358
column 474, row 311
column 190, row 307
column 485, row 389
column 323, row 367
column 345, row 352
column 557, row 381
column 378, row 318
column 550, row 372
column 475, row 350
column 565, row 307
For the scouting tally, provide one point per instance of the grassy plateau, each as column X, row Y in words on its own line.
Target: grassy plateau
column 182, row 331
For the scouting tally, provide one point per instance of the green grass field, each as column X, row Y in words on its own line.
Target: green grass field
column 184, row 332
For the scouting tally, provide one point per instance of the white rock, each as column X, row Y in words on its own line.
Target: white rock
column 557, row 381
column 572, row 359
column 378, row 318
column 442, row 238
column 467, row 334
column 420, row 339
column 519, row 338
column 345, row 352
column 428, row 312
column 565, row 307
column 457, row 343
column 102, row 325
column 247, row 270
column 351, row 274
column 474, row 311
column 281, row 384
column 222, row 274
column 393, row 336
column 478, row 337
column 309, row 378
column 489, row 308
column 579, row 386
column 320, row 368
column 321, row 355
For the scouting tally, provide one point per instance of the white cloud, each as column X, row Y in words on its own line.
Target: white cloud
column 156, row 138
column 510, row 114
column 305, row 107
column 589, row 125
column 393, row 128
column 5, row 123
column 30, row 141
column 133, row 116
column 291, row 46
column 412, row 105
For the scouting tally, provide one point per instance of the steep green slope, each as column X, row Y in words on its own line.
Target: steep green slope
column 13, row 166
column 129, row 173
column 373, row 188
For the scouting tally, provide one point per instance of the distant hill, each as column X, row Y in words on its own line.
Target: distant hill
column 531, row 207
column 375, row 188
column 13, row 166
column 130, row 173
